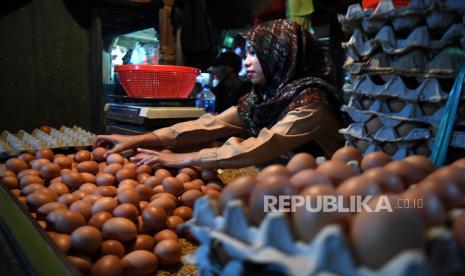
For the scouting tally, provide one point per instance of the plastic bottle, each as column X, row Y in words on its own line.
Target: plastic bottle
column 206, row 100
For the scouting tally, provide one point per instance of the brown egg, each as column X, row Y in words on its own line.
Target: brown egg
column 454, row 173
column 154, row 217
column 63, row 242
column 188, row 198
column 47, row 208
column 173, row 222
column 16, row 192
column 50, row 171
column 83, row 264
column 59, row 188
column 446, row 188
column 81, row 194
column 165, row 234
column 38, row 163
column 112, row 247
column 65, row 221
column 164, row 202
column 72, row 179
column 144, row 168
column 143, row 242
column 183, row 212
column 168, row 252
column 173, row 185
column 44, row 153
column 126, row 173
column 107, row 204
column 358, row 186
column 82, row 207
column 67, row 199
column 11, row 182
column 128, row 183
column 410, row 173
column 112, row 168
column 144, row 191
column 126, row 210
column 347, row 154
column 30, row 179
column 184, row 177
column 105, row 179
column 120, row 229
column 31, row 188
column 308, row 223
column 460, row 163
column 193, row 173
column 89, row 187
column 132, row 166
column 276, row 169
column 92, row 198
column 142, row 177
column 338, row 171
column 458, row 229
column 309, row 177
column 4, row 172
column 162, row 173
column 82, row 155
column 39, row 198
column 208, row 175
column 163, row 194
column 191, row 186
column 143, row 204
column 26, row 157
column 88, row 167
column 107, row 266
column 239, row 188
column 198, row 182
column 422, row 162
column 128, row 196
column 213, row 194
column 99, row 219
column 106, row 191
column 102, row 166
column 388, row 181
column 301, row 161
column 375, row 159
column 98, row 154
column 27, row 172
column 153, row 181
column 63, row 162
column 115, row 158
column 215, row 186
column 139, row 262
column 379, row 236
column 427, row 204
column 16, row 165
column 86, row 239
column 55, row 180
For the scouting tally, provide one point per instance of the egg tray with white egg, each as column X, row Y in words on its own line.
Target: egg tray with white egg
column 62, row 139
column 417, row 62
column 105, row 216
column 437, row 15
column 236, row 234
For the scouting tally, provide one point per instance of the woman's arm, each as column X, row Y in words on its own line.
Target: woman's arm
column 206, row 128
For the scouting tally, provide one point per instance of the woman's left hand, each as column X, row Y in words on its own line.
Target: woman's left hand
column 172, row 160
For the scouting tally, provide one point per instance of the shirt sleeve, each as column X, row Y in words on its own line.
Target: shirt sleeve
column 296, row 128
column 206, row 128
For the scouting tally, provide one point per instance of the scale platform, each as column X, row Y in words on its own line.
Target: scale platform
column 138, row 115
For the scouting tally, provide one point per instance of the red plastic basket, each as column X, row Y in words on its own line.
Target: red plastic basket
column 157, row 81
column 372, row 4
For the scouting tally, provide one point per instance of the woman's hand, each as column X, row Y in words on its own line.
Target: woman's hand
column 172, row 160
column 127, row 142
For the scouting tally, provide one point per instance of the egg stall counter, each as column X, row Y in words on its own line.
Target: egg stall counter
column 102, row 214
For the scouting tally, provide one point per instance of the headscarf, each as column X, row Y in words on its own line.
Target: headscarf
column 297, row 72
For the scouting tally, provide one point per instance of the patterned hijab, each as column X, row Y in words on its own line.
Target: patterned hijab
column 297, row 72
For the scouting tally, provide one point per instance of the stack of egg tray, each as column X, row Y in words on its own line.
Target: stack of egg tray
column 229, row 245
column 65, row 137
column 402, row 64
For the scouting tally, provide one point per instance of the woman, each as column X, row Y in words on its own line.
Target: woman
column 291, row 104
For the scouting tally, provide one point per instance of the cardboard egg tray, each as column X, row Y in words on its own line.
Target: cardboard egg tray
column 361, row 45
column 65, row 137
column 437, row 14
column 414, row 63
column 229, row 244
column 428, row 89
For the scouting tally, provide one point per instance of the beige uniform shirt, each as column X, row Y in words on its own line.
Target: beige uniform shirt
column 299, row 126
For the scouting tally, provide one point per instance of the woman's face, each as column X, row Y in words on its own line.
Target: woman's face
column 254, row 70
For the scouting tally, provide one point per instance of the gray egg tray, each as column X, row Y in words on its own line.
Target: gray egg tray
column 402, row 149
column 413, row 63
column 428, row 90
column 272, row 244
column 438, row 15
column 385, row 134
column 360, row 45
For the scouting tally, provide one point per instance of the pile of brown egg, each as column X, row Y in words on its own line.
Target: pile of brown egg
column 110, row 216
column 422, row 197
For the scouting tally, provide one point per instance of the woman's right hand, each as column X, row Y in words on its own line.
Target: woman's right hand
column 120, row 142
